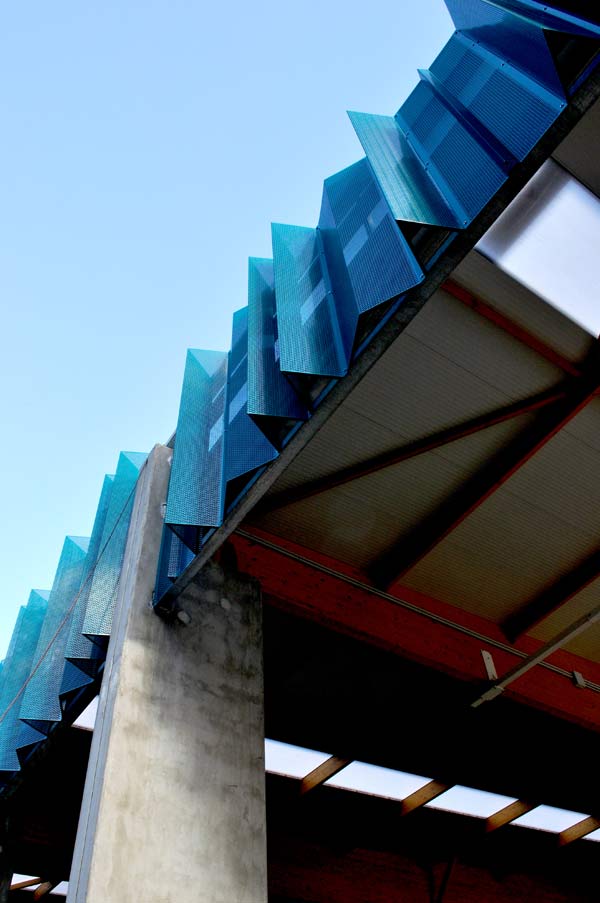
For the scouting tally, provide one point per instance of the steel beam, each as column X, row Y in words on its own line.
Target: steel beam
column 407, row 551
column 394, row 456
column 412, row 625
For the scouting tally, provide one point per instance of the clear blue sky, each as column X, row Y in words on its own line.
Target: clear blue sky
column 146, row 149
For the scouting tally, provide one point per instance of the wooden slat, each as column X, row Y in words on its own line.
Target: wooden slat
column 30, row 882
column 508, row 814
column 586, row 826
column 422, row 796
column 322, row 773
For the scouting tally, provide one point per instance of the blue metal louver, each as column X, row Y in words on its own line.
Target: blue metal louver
column 80, row 650
column 270, row 393
column 553, row 16
column 104, row 581
column 487, row 99
column 196, row 488
column 511, row 38
column 40, row 707
column 368, row 258
column 310, row 340
column 17, row 667
column 246, row 448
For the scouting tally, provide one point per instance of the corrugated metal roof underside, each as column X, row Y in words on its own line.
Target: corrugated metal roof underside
column 449, row 366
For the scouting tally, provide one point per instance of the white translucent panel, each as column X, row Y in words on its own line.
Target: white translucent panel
column 378, row 781
column 595, row 835
column 87, row 719
column 60, row 889
column 471, row 802
column 295, row 761
column 548, row 239
column 547, row 818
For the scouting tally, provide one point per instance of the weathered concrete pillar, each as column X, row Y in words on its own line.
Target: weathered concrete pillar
column 174, row 805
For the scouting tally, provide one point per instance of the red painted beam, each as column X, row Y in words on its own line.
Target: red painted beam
column 430, row 632
column 407, row 551
column 509, row 326
column 407, row 451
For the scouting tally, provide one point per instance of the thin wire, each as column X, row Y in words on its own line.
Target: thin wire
column 69, row 612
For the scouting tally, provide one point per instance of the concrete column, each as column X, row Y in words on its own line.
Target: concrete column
column 174, row 803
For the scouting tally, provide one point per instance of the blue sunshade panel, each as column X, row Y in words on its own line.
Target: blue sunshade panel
column 554, row 17
column 410, row 190
column 509, row 35
column 104, row 581
column 16, row 670
column 80, row 650
column 486, row 101
column 40, row 706
column 497, row 96
column 270, row 393
column 369, row 260
column 196, row 489
column 310, row 339
column 246, row 448
column 174, row 557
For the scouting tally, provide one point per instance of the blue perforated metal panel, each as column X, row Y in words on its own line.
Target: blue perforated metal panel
column 40, row 705
column 80, row 651
column 464, row 171
column 510, row 37
column 511, row 106
column 555, row 16
column 174, row 557
column 368, row 258
column 246, row 448
column 270, row 393
column 411, row 193
column 15, row 672
column 196, row 489
column 105, row 580
column 310, row 340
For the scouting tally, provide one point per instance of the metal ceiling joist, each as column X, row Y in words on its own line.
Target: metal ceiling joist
column 553, row 597
column 405, row 553
column 409, row 450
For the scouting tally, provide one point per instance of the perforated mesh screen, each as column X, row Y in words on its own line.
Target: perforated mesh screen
column 309, row 334
column 196, row 489
column 510, row 37
column 517, row 110
column 16, row 670
column 79, row 648
column 269, row 391
column 41, row 704
column 409, row 190
column 245, row 445
column 104, row 584
column 369, row 259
